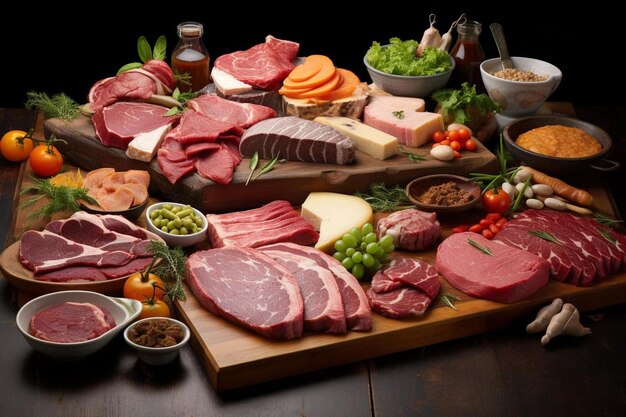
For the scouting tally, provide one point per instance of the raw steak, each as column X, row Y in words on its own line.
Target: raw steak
column 90, row 273
column 71, row 322
column 272, row 223
column 411, row 272
column 195, row 127
column 46, row 251
column 249, row 288
column 297, row 139
column 403, row 303
column 582, row 256
column 241, row 114
column 323, row 308
column 217, row 165
column 119, row 123
column 355, row 304
column 271, row 99
column 263, row 66
column 411, row 229
column 124, row 226
column 509, row 275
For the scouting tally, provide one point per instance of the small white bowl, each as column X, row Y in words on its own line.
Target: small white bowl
column 157, row 356
column 123, row 310
column 177, row 240
column 520, row 98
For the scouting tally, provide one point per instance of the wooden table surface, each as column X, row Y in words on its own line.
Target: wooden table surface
column 502, row 373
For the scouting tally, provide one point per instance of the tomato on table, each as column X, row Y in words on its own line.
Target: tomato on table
column 136, row 288
column 46, row 160
column 16, row 145
column 496, row 201
column 154, row 308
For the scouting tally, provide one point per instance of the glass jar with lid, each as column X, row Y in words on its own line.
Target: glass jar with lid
column 190, row 58
column 468, row 55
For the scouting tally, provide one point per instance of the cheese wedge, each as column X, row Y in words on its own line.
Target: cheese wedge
column 227, row 84
column 373, row 142
column 145, row 145
column 404, row 118
column 333, row 215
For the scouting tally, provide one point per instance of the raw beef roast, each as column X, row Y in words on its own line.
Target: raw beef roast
column 404, row 289
column 355, row 304
column 249, row 288
column 263, row 66
column 297, row 139
column 243, row 115
column 272, row 223
column 71, row 322
column 323, row 308
column 582, row 254
column 411, row 229
column 507, row 275
column 119, row 123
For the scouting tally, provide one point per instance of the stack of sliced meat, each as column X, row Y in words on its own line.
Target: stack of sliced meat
column 207, row 138
column 279, row 290
column 404, row 289
column 272, row 223
column 115, row 191
column 86, row 247
column 582, row 253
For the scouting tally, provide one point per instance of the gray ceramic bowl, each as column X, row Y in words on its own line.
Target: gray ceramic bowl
column 554, row 165
column 407, row 85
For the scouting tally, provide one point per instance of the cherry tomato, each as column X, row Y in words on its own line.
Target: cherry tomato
column 16, row 146
column 485, row 223
column 471, row 145
column 460, row 229
column 445, row 142
column 494, row 229
column 464, row 134
column 137, row 289
column 453, row 135
column 496, row 201
column 46, row 160
column 455, row 145
column 154, row 308
column 501, row 222
column 488, row 234
column 457, row 154
column 493, row 216
column 438, row 136
column 477, row 228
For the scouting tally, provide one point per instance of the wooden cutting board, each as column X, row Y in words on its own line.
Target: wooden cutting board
column 291, row 181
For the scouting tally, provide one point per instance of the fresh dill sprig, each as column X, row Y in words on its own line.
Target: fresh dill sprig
column 60, row 197
column 383, row 199
column 59, row 105
column 171, row 269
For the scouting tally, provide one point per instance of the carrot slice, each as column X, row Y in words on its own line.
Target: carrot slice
column 326, row 73
column 305, row 71
column 324, row 88
column 345, row 89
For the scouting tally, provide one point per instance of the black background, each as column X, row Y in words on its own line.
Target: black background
column 68, row 50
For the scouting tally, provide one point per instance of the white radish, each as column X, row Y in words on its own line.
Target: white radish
column 542, row 189
column 533, row 203
column 446, row 39
column 431, row 37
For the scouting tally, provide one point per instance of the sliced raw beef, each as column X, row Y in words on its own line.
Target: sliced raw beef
column 155, row 77
column 174, row 171
column 124, row 226
column 195, row 127
column 297, row 139
column 120, row 123
column 71, row 322
column 47, row 251
column 323, row 308
column 241, row 114
column 355, row 304
column 90, row 273
column 271, row 99
column 263, row 66
column 411, row 272
column 506, row 276
column 272, row 223
column 196, row 148
column 411, row 229
column 174, row 151
column 249, row 288
column 582, row 254
column 403, row 303
column 217, row 165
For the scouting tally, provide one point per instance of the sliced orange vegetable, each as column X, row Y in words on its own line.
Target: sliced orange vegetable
column 326, row 73
column 346, row 88
column 322, row 89
column 289, row 92
column 305, row 71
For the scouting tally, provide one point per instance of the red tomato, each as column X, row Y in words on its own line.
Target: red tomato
column 493, row 216
column 453, row 135
column 457, row 154
column 501, row 222
column 464, row 134
column 438, row 136
column 494, row 229
column 154, row 308
column 477, row 228
column 496, row 201
column 488, row 234
column 455, row 145
column 460, row 229
column 445, row 142
column 15, row 145
column 45, row 160
column 471, row 145
column 485, row 223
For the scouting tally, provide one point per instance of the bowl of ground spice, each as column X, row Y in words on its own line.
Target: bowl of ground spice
column 521, row 90
column 157, row 339
column 443, row 193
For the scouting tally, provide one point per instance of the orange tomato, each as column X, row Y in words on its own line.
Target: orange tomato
column 464, row 134
column 456, row 145
column 453, row 135
column 471, row 145
column 438, row 136
column 154, row 308
column 16, row 146
column 46, row 160
column 138, row 289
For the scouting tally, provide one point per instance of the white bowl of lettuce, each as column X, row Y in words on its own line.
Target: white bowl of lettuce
column 397, row 70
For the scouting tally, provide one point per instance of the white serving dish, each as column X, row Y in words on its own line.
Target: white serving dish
column 177, row 240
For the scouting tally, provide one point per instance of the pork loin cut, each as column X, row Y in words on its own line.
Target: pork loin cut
column 297, row 139
column 71, row 322
column 247, row 287
column 355, row 304
column 323, row 308
column 509, row 275
column 411, row 229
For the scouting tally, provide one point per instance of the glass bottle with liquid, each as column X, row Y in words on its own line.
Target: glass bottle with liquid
column 468, row 55
column 191, row 57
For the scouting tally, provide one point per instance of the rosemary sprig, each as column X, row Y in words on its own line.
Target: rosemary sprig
column 385, row 199
column 449, row 300
column 480, row 247
column 171, row 269
column 267, row 167
column 414, row 157
column 253, row 163
column 606, row 220
column 59, row 105
column 545, row 236
column 607, row 236
column 60, row 197
column 399, row 114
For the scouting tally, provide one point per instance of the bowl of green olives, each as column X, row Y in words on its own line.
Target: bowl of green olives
column 178, row 224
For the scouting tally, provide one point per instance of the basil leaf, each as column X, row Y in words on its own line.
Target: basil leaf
column 253, row 163
column 130, row 66
column 172, row 112
column 160, row 48
column 144, row 50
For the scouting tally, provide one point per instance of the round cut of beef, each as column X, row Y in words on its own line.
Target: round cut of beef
column 411, row 229
column 71, row 322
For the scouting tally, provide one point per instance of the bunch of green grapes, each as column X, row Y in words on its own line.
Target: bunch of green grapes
column 360, row 251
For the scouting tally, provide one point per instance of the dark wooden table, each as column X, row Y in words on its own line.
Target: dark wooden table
column 502, row 373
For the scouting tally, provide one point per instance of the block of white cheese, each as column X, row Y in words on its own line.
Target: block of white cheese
column 333, row 215
column 227, row 84
column 371, row 141
column 145, row 145
column 402, row 117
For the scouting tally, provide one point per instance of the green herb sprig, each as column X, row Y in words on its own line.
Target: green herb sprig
column 171, row 269
column 399, row 114
column 607, row 236
column 253, row 163
column 146, row 53
column 384, row 199
column 267, row 167
column 414, row 157
column 59, row 105
column 449, row 300
column 545, row 236
column 60, row 198
column 480, row 247
column 606, row 220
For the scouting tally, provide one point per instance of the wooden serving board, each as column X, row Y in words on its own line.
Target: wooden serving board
column 291, row 181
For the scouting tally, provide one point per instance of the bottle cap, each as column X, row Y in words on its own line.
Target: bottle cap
column 190, row 29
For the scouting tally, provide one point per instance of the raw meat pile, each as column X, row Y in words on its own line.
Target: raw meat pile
column 404, row 289
column 411, row 229
column 71, row 322
column 582, row 255
column 115, row 191
column 279, row 290
column 207, row 138
column 86, row 247
column 274, row 222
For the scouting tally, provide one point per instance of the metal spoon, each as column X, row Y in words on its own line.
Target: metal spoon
column 498, row 35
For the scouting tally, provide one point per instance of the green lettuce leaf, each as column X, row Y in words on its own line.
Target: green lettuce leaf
column 399, row 58
column 464, row 105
